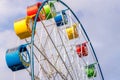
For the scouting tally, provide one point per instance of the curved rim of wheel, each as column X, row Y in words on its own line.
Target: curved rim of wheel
column 60, row 46
column 33, row 32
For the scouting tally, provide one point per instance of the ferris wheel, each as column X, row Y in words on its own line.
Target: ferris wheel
column 54, row 45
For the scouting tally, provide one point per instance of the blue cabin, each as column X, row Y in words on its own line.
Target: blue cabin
column 61, row 18
column 18, row 58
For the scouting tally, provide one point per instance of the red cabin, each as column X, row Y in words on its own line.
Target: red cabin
column 32, row 11
column 82, row 49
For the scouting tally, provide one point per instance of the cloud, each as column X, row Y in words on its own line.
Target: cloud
column 8, row 39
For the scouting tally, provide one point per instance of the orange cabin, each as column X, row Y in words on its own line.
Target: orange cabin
column 82, row 50
column 32, row 11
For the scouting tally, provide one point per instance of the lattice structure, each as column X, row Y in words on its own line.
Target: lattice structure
column 56, row 46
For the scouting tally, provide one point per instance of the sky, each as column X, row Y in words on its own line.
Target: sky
column 100, row 19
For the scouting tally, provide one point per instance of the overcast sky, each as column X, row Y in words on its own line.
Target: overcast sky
column 100, row 18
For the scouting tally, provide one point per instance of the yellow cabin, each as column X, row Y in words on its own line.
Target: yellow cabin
column 23, row 27
column 72, row 32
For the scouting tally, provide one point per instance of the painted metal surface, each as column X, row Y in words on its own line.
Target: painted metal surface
column 82, row 49
column 95, row 56
column 32, row 11
column 61, row 18
column 72, row 32
column 23, row 27
column 91, row 71
column 49, row 10
column 18, row 58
